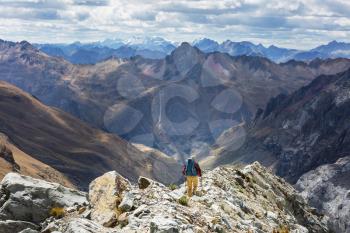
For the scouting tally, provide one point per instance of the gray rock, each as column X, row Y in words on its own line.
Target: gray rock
column 10, row 226
column 32, row 199
column 86, row 214
column 160, row 224
column 81, row 225
column 327, row 188
column 50, row 227
column 127, row 202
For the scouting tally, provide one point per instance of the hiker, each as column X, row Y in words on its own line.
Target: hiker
column 191, row 170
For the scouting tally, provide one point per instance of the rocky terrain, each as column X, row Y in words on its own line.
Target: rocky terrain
column 328, row 188
column 249, row 199
column 299, row 133
column 47, row 140
column 175, row 104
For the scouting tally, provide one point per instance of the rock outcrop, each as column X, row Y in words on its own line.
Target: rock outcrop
column 27, row 199
column 10, row 226
column 229, row 199
column 328, row 189
column 6, row 154
column 105, row 196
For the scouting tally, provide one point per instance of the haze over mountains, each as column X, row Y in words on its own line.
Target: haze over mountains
column 157, row 47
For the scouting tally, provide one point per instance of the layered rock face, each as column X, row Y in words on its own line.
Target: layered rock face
column 328, row 189
column 27, row 199
column 229, row 199
column 26, row 202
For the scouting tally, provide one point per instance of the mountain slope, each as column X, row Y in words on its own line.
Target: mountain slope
column 71, row 146
column 14, row 159
column 299, row 132
column 174, row 104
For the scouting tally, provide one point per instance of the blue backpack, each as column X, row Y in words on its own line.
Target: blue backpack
column 190, row 168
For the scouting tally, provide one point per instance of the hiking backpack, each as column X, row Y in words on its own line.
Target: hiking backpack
column 191, row 168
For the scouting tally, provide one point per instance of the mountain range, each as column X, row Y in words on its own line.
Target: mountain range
column 94, row 52
column 157, row 48
column 180, row 104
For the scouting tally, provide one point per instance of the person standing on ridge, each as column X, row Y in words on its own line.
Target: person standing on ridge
column 191, row 170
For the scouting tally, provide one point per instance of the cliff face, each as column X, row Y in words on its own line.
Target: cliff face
column 309, row 128
column 229, row 199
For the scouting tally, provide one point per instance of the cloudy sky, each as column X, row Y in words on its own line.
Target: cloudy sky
column 296, row 24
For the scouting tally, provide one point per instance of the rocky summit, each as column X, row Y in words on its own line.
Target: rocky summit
column 229, row 199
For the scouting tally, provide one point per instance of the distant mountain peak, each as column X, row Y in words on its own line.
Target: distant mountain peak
column 333, row 42
column 203, row 39
column 185, row 47
column 185, row 44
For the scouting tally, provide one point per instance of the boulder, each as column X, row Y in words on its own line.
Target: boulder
column 160, row 224
column 10, row 226
column 105, row 193
column 28, row 199
column 144, row 182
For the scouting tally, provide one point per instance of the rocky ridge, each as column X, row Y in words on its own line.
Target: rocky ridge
column 230, row 199
column 328, row 189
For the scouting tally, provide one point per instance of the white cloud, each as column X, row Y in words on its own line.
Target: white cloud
column 300, row 23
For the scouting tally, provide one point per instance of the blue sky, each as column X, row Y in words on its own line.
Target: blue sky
column 295, row 24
